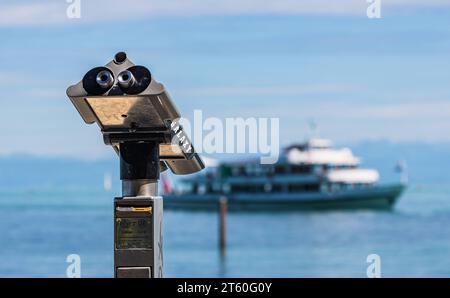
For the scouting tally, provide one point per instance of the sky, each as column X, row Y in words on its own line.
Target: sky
column 358, row 78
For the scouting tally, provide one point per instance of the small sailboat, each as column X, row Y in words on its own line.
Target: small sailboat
column 107, row 182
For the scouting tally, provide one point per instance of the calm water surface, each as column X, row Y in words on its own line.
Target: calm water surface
column 40, row 228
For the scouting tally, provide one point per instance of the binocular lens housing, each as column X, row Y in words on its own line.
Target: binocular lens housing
column 105, row 79
column 126, row 79
column 98, row 80
column 134, row 80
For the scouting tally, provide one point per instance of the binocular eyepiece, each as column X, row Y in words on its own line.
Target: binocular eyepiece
column 105, row 79
column 126, row 80
column 132, row 81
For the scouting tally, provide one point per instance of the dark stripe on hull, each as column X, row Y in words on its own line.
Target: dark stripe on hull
column 381, row 198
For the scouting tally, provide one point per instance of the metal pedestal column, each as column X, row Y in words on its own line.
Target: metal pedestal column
column 138, row 214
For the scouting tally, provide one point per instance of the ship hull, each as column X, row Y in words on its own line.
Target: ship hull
column 378, row 197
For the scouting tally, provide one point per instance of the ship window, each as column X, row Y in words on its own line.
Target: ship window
column 277, row 188
column 216, row 187
column 225, row 171
column 317, row 169
column 209, row 187
column 201, row 189
column 235, row 171
column 257, row 170
column 236, row 188
column 335, row 187
column 226, row 188
column 253, row 170
column 238, row 171
column 249, row 170
column 301, row 169
column 280, row 169
column 269, row 170
column 304, row 187
column 312, row 187
column 244, row 188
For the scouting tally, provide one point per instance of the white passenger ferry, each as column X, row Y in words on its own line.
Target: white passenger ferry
column 311, row 175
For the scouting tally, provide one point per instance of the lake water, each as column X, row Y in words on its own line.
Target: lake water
column 40, row 228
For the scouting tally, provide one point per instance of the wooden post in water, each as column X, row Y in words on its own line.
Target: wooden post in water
column 223, row 206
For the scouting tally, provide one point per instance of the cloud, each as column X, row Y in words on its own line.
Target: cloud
column 44, row 12
column 408, row 110
column 269, row 90
column 351, row 110
column 349, row 121
column 54, row 12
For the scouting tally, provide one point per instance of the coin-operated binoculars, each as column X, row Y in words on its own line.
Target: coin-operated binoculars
column 139, row 120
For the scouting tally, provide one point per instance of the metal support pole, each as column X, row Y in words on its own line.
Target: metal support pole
column 139, row 188
column 223, row 206
column 138, row 213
